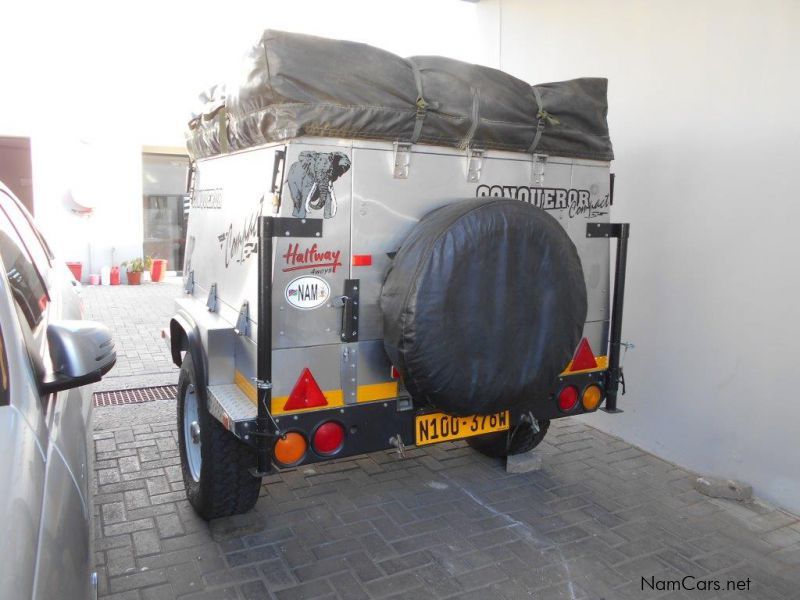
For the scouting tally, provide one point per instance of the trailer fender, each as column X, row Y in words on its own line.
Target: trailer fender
column 185, row 337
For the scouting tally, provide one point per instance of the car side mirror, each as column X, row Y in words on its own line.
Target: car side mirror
column 81, row 353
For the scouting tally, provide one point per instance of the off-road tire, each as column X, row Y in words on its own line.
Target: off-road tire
column 226, row 486
column 496, row 444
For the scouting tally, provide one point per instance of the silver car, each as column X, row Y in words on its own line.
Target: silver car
column 48, row 356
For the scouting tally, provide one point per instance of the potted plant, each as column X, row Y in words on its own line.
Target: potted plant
column 148, row 266
column 134, row 270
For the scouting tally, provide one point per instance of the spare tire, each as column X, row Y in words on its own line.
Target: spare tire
column 483, row 306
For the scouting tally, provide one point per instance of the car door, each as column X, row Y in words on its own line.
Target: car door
column 63, row 559
column 69, row 416
column 22, row 470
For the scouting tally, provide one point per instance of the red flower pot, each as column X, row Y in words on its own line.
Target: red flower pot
column 76, row 269
column 134, row 277
column 159, row 269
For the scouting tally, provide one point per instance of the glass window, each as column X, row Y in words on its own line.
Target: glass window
column 26, row 284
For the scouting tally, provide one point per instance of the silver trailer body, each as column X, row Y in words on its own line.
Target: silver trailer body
column 380, row 191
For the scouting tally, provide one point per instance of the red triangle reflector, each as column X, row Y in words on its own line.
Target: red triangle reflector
column 305, row 394
column 583, row 358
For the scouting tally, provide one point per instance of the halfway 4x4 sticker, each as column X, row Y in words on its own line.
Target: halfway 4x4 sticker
column 311, row 180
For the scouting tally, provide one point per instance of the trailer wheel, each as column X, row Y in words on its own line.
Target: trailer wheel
column 497, row 445
column 214, row 463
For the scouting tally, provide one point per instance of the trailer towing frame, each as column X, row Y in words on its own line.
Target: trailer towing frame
column 614, row 374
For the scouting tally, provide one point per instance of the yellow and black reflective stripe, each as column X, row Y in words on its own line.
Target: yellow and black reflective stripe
column 365, row 393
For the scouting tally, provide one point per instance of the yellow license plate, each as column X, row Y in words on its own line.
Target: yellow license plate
column 433, row 428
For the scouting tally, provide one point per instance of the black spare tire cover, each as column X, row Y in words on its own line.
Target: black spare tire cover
column 483, row 306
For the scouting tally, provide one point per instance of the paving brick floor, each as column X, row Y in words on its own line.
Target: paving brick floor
column 136, row 315
column 443, row 522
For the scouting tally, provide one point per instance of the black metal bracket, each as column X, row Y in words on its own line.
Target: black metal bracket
column 611, row 180
column 291, row 227
column 608, row 230
column 266, row 231
column 614, row 376
column 350, row 311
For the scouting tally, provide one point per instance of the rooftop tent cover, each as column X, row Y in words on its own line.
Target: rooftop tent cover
column 293, row 85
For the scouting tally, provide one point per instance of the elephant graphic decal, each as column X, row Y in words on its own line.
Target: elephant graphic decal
column 311, row 181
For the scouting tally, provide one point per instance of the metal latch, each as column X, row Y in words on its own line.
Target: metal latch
column 349, row 305
column 188, row 283
column 277, row 180
column 537, row 169
column 474, row 165
column 211, row 303
column 402, row 159
column 397, row 442
column 262, row 385
column 243, row 321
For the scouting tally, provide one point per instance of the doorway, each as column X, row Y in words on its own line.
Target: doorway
column 16, row 169
column 164, row 200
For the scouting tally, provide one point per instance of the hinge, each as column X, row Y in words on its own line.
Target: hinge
column 402, row 159
column 537, row 169
column 211, row 303
column 348, row 373
column 474, row 165
column 243, row 321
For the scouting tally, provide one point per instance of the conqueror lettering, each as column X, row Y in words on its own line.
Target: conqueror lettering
column 576, row 202
column 546, row 198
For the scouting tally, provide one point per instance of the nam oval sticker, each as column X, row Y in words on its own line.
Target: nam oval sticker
column 307, row 292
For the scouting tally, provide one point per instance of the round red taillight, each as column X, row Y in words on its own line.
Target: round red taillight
column 567, row 398
column 328, row 438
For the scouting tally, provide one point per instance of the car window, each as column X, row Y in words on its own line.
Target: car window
column 26, row 284
column 31, row 237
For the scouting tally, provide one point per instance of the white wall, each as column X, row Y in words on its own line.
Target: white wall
column 105, row 174
column 113, row 76
column 704, row 118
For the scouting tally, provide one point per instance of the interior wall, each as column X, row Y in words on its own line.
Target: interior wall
column 104, row 175
column 703, row 116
